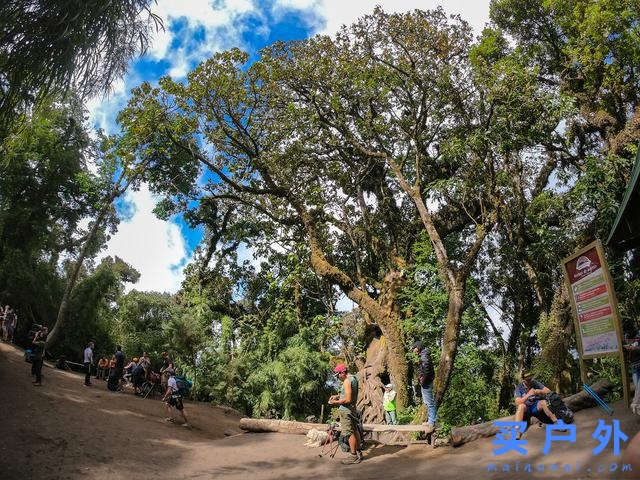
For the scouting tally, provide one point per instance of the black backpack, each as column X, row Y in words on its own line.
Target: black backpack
column 559, row 409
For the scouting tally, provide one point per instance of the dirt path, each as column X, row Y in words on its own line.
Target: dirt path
column 64, row 430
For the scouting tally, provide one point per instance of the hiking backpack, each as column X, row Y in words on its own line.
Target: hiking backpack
column 184, row 384
column 559, row 409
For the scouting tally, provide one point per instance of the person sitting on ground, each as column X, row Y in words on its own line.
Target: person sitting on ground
column 145, row 362
column 529, row 397
column 389, row 404
column 426, row 375
column 39, row 341
column 129, row 369
column 103, row 363
column 346, row 400
column 112, row 366
column 138, row 375
column 173, row 399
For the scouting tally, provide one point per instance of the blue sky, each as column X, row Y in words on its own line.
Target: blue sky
column 194, row 30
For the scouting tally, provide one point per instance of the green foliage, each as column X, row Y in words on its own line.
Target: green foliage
column 473, row 390
column 50, row 45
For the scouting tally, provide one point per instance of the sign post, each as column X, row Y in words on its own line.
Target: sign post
column 595, row 308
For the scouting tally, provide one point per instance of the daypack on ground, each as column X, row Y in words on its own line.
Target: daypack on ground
column 559, row 409
column 184, row 384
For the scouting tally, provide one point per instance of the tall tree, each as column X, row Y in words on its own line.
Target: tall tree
column 49, row 46
column 347, row 142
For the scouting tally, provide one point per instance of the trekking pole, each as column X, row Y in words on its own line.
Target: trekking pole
column 599, row 400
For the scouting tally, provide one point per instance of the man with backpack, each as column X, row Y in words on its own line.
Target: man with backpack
column 530, row 398
column 426, row 375
column 176, row 388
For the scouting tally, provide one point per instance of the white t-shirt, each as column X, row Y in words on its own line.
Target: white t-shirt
column 88, row 355
column 171, row 383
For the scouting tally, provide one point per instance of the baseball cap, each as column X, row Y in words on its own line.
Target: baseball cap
column 341, row 367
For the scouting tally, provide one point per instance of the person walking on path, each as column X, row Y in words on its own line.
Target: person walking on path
column 389, row 404
column 88, row 361
column 39, row 341
column 173, row 399
column 426, row 376
column 346, row 399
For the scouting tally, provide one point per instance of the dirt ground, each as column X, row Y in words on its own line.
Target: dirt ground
column 64, row 430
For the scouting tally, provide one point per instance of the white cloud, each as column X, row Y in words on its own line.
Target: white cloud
column 339, row 12
column 215, row 25
column 152, row 246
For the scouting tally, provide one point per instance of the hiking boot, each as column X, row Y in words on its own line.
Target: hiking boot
column 351, row 459
column 429, row 427
column 359, row 453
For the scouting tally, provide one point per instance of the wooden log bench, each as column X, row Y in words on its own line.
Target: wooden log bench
column 382, row 433
column 263, row 425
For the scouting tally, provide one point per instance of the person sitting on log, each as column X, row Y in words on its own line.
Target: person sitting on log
column 346, row 400
column 529, row 398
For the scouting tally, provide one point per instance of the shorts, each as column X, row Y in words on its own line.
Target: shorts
column 176, row 402
column 534, row 411
column 347, row 423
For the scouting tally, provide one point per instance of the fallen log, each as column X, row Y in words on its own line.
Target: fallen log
column 263, row 425
column 578, row 401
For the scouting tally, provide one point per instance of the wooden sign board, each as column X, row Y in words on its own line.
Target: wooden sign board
column 595, row 307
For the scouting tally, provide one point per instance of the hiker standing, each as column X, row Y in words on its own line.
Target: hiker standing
column 166, row 370
column 2, row 326
column 426, row 376
column 634, row 360
column 173, row 399
column 9, row 323
column 346, row 400
column 88, row 361
column 119, row 363
column 530, row 403
column 39, row 341
column 389, row 404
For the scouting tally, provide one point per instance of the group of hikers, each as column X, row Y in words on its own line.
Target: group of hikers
column 531, row 399
column 8, row 323
column 138, row 371
column 116, row 373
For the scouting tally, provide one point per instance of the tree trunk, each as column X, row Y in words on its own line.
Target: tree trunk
column 506, row 375
column 370, row 386
column 450, row 342
column 61, row 319
column 385, row 315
